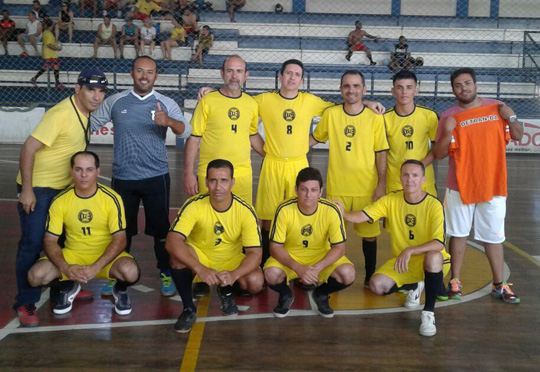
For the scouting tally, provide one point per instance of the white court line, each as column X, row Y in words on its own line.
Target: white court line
column 470, row 297
column 537, row 258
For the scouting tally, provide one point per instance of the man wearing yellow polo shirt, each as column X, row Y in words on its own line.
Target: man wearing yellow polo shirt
column 44, row 172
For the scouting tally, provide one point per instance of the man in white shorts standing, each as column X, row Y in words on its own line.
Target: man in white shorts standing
column 476, row 184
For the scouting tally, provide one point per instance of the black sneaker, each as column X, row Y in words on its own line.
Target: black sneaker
column 348, row 56
column 372, row 63
column 200, row 289
column 322, row 305
column 185, row 321
column 66, row 298
column 228, row 306
column 284, row 306
column 122, row 303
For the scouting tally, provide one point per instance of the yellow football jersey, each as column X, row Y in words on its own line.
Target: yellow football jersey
column 220, row 235
column 63, row 135
column 304, row 236
column 287, row 122
column 88, row 222
column 354, row 140
column 225, row 124
column 48, row 38
column 409, row 138
column 410, row 224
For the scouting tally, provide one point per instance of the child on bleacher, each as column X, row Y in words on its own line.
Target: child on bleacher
column 206, row 40
column 50, row 55
column 148, row 37
column 178, row 37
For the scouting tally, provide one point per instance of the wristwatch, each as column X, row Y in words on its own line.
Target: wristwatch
column 513, row 119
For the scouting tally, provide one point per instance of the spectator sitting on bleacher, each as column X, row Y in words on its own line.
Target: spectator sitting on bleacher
column 32, row 33
column 106, row 35
column 110, row 6
column 65, row 21
column 233, row 6
column 206, row 40
column 144, row 8
column 189, row 20
column 89, row 3
column 401, row 58
column 355, row 39
column 130, row 35
column 178, row 37
column 7, row 28
column 41, row 13
column 148, row 37
column 50, row 55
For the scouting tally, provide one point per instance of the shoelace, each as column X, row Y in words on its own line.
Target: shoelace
column 454, row 284
column 166, row 280
column 505, row 288
column 30, row 310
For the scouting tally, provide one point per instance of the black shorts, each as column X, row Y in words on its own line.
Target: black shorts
column 154, row 193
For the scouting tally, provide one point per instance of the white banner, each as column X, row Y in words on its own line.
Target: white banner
column 530, row 143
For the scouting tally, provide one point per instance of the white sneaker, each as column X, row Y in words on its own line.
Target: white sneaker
column 427, row 328
column 413, row 298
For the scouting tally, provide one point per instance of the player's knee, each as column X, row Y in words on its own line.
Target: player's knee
column 377, row 286
column 433, row 262
column 126, row 269
column 273, row 275
column 36, row 275
column 346, row 274
column 255, row 281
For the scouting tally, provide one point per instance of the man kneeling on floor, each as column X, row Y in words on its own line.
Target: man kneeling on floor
column 92, row 216
column 307, row 241
column 416, row 222
column 207, row 239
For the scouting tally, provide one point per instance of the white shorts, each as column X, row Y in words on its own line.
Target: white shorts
column 488, row 218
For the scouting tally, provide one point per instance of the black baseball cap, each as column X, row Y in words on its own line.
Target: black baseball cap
column 92, row 78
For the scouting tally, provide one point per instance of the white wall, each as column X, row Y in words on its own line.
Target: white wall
column 479, row 8
column 519, row 8
column 350, row 6
column 428, row 7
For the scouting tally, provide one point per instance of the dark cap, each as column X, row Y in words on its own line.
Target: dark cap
column 128, row 19
column 92, row 78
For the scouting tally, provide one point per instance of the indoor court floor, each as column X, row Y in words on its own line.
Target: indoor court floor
column 368, row 333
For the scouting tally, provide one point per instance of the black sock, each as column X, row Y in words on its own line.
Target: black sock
column 65, row 285
column 183, row 279
column 265, row 234
column 370, row 255
column 224, row 291
column 282, row 288
column 433, row 282
column 121, row 285
column 40, row 72
column 404, row 287
column 57, row 76
column 330, row 287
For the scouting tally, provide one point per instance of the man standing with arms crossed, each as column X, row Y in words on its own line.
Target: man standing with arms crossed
column 475, row 132
column 357, row 158
column 44, row 172
column 410, row 129
column 141, row 118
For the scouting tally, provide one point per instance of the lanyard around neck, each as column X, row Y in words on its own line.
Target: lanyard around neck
column 85, row 130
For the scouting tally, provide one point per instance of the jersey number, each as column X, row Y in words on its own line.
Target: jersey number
column 305, row 243
column 86, row 231
column 289, row 129
column 348, row 146
column 409, row 145
column 411, row 235
column 234, row 128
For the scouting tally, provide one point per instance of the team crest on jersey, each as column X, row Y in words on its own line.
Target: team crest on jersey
column 218, row 228
column 289, row 115
column 85, row 216
column 410, row 220
column 350, row 131
column 407, row 131
column 307, row 230
column 234, row 113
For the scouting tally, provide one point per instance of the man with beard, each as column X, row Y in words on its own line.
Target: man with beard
column 475, row 132
column 357, row 158
column 141, row 118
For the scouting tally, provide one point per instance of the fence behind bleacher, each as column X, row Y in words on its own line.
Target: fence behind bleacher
column 499, row 38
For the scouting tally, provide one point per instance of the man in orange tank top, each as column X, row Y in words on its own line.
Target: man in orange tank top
column 476, row 191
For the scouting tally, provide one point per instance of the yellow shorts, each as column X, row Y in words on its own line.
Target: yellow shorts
column 357, row 203
column 323, row 275
column 73, row 257
column 415, row 273
column 243, row 186
column 228, row 265
column 276, row 184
